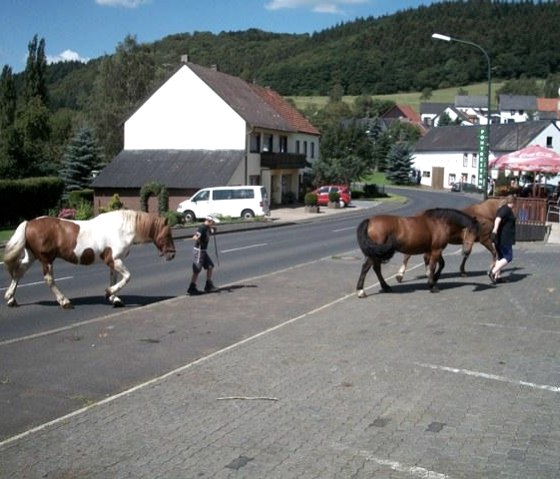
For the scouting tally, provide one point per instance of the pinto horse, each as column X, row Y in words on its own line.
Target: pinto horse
column 107, row 237
column 379, row 237
column 484, row 212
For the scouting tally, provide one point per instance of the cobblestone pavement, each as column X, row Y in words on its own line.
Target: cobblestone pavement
column 460, row 384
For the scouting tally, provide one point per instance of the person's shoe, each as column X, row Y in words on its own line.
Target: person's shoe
column 210, row 287
column 193, row 291
column 492, row 277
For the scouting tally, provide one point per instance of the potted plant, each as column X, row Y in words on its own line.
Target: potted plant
column 310, row 201
column 334, row 199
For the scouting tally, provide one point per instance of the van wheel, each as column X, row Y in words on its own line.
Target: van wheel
column 247, row 214
column 189, row 216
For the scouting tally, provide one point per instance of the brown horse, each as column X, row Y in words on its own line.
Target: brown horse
column 484, row 212
column 380, row 236
column 107, row 237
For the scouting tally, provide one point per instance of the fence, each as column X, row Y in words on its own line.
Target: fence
column 531, row 219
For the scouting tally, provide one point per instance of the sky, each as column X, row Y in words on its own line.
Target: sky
column 87, row 29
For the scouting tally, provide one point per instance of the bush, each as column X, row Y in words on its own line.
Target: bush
column 173, row 218
column 334, row 196
column 115, row 203
column 310, row 199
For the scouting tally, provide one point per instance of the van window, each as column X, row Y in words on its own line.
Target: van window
column 223, row 194
column 202, row 196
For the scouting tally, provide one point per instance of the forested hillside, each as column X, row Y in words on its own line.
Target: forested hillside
column 389, row 54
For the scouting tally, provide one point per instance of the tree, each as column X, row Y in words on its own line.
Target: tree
column 8, row 99
column 123, row 80
column 34, row 82
column 81, row 157
column 399, row 163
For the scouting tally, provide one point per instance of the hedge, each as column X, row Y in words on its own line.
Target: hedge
column 28, row 198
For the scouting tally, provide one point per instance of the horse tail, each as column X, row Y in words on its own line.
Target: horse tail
column 14, row 248
column 383, row 252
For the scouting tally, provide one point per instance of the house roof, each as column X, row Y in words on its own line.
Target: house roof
column 172, row 168
column 518, row 102
column 258, row 106
column 433, row 108
column 471, row 101
column 503, row 138
column 402, row 112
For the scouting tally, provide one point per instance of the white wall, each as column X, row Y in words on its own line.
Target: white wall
column 184, row 114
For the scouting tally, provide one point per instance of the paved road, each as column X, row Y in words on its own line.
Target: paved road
column 460, row 384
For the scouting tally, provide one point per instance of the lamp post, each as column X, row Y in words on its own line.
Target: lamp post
column 485, row 140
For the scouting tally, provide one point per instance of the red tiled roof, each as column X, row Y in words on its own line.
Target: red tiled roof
column 547, row 104
column 287, row 111
column 258, row 106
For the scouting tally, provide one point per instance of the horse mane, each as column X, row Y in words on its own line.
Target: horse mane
column 147, row 225
column 452, row 215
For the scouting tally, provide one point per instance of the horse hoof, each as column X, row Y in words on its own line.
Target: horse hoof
column 12, row 303
column 387, row 289
column 435, row 289
column 362, row 294
column 67, row 305
column 117, row 303
column 464, row 275
column 399, row 278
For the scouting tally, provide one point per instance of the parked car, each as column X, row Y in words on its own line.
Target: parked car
column 527, row 190
column 466, row 187
column 323, row 194
column 235, row 201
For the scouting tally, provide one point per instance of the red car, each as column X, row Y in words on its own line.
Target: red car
column 323, row 194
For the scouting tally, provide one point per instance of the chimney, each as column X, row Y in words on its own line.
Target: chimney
column 184, row 58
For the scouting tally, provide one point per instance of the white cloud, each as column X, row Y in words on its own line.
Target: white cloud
column 67, row 56
column 318, row 6
column 121, row 3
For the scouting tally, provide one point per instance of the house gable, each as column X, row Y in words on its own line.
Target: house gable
column 188, row 113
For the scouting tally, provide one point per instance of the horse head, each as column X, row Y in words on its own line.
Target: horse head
column 164, row 240
column 470, row 234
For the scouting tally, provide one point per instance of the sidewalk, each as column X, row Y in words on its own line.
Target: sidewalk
column 400, row 386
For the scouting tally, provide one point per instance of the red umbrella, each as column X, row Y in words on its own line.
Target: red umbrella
column 532, row 158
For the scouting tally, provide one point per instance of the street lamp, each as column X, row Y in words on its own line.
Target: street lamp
column 483, row 162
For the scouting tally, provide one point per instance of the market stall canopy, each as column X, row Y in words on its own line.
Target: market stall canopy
column 533, row 158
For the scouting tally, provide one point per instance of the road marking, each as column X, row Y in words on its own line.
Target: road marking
column 258, row 245
column 493, row 377
column 344, row 229
column 35, row 283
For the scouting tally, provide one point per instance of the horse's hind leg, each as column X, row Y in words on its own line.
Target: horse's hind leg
column 16, row 271
column 402, row 269
column 382, row 282
column 49, row 279
column 360, row 286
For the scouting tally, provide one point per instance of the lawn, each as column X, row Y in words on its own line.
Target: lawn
column 445, row 95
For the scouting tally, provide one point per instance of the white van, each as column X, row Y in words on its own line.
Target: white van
column 234, row 201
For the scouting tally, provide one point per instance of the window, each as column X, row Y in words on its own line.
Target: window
column 465, row 160
column 451, row 179
column 283, row 144
column 255, row 143
column 474, row 160
column 297, row 146
column 267, row 142
column 312, row 149
column 305, row 148
column 549, row 142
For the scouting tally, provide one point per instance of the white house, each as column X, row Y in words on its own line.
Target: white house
column 205, row 128
column 449, row 154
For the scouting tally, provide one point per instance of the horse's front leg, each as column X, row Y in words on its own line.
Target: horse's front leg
column 48, row 275
column 110, row 293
